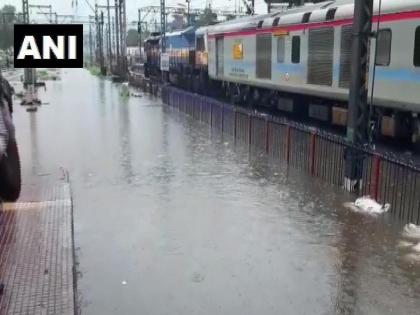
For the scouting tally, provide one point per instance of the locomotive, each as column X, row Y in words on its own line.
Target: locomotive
column 299, row 61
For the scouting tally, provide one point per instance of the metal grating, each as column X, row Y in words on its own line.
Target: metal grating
column 321, row 56
column 36, row 251
column 345, row 56
column 263, row 54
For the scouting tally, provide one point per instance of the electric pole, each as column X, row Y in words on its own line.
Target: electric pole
column 101, row 43
column 358, row 120
column 113, row 40
column 90, row 44
column 29, row 73
column 117, row 37
column 139, row 31
column 109, row 35
column 162, row 26
column 188, row 12
column 123, row 39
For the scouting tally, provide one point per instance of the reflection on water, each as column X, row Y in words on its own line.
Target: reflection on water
column 195, row 225
column 34, row 143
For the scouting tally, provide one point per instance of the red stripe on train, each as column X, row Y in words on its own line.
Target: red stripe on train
column 391, row 17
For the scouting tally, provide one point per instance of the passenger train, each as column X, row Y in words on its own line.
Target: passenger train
column 299, row 61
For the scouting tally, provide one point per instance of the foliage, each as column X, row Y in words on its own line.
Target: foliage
column 7, row 19
column 94, row 70
column 177, row 23
column 132, row 37
column 207, row 18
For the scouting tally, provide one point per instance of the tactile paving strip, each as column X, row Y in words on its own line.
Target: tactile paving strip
column 36, row 251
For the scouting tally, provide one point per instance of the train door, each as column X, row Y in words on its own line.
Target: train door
column 219, row 56
column 263, row 54
column 321, row 56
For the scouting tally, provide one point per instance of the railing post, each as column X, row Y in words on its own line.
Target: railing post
column 184, row 102
column 376, row 177
column 249, row 129
column 267, row 136
column 178, row 103
column 211, row 115
column 288, row 142
column 312, row 159
column 201, row 109
column 222, row 117
column 235, row 122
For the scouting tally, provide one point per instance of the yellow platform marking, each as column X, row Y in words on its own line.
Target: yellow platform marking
column 30, row 205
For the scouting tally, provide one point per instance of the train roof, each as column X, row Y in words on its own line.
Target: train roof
column 343, row 9
column 176, row 38
column 202, row 30
column 188, row 30
column 181, row 39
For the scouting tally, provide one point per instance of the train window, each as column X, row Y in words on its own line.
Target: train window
column 383, row 53
column 276, row 21
column 417, row 48
column 260, row 23
column 331, row 14
column 281, row 49
column 306, row 16
column 296, row 49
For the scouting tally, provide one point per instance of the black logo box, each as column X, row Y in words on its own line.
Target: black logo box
column 53, row 30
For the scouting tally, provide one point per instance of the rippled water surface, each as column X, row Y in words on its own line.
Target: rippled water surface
column 171, row 218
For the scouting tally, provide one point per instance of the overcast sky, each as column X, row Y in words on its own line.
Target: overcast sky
column 67, row 7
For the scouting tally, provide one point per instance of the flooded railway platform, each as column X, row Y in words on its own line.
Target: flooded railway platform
column 172, row 218
column 36, row 248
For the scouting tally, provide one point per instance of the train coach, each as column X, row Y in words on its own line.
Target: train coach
column 299, row 61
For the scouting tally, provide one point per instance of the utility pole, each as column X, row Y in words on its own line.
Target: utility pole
column 123, row 39
column 29, row 73
column 139, row 31
column 162, row 26
column 188, row 12
column 117, row 36
column 25, row 11
column 90, row 44
column 97, row 35
column 358, row 120
column 101, row 43
column 109, row 34
column 92, row 39
column 51, row 15
column 112, row 38
column 106, row 43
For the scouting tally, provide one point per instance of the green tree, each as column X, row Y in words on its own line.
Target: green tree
column 207, row 18
column 132, row 37
column 7, row 19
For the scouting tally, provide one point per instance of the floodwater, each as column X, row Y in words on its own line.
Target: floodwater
column 171, row 218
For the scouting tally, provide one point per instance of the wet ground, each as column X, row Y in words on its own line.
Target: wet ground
column 171, row 218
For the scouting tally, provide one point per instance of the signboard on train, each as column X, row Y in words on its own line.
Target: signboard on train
column 164, row 62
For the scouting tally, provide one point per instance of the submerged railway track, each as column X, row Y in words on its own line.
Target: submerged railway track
column 393, row 149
